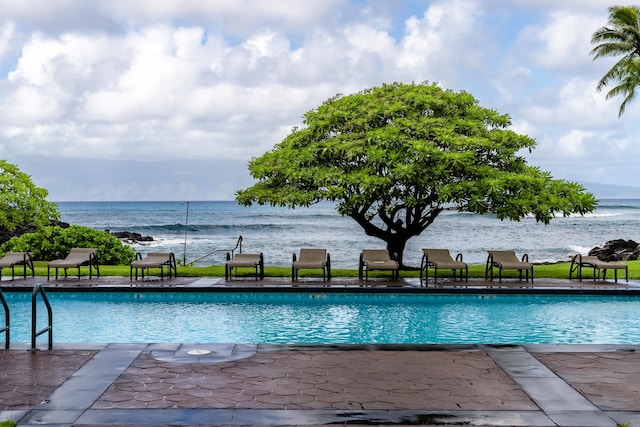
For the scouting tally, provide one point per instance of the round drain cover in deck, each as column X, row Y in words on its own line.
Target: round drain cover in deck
column 198, row 352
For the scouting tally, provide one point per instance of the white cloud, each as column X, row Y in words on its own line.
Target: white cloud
column 564, row 41
column 6, row 34
column 182, row 81
column 443, row 41
column 571, row 146
column 576, row 102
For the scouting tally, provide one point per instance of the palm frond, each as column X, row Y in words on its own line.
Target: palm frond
column 621, row 37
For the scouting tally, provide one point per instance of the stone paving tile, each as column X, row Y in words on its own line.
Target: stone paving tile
column 446, row 284
column 321, row 379
column 27, row 377
column 610, row 380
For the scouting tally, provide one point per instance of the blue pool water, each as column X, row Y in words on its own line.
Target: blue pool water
column 317, row 318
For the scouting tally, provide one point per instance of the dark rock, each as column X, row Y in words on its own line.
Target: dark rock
column 130, row 236
column 617, row 250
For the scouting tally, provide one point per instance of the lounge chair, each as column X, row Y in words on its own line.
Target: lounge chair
column 159, row 260
column 377, row 259
column 507, row 260
column 311, row 259
column 441, row 259
column 578, row 262
column 76, row 258
column 255, row 261
column 11, row 259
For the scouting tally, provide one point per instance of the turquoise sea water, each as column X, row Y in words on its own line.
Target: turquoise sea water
column 317, row 318
column 278, row 232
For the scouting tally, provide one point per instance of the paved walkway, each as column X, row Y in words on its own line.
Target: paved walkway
column 278, row 385
column 181, row 384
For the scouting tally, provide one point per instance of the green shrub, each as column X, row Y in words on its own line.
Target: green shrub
column 46, row 244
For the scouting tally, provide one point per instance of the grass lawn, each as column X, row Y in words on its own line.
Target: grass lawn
column 549, row 271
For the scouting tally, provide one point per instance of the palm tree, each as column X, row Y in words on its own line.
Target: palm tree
column 620, row 37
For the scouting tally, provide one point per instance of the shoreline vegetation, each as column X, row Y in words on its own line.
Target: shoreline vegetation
column 558, row 270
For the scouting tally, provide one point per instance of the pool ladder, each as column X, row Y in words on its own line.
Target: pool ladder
column 38, row 289
column 7, row 322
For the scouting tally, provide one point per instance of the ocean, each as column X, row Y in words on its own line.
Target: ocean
column 201, row 232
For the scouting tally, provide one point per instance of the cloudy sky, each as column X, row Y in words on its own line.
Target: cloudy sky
column 168, row 100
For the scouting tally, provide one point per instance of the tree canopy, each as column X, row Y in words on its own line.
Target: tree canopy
column 620, row 37
column 394, row 157
column 22, row 203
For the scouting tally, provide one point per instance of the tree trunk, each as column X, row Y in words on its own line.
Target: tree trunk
column 395, row 246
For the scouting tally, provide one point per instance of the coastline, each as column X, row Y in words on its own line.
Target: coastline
column 280, row 232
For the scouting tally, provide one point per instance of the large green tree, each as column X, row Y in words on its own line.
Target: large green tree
column 620, row 37
column 394, row 157
column 22, row 203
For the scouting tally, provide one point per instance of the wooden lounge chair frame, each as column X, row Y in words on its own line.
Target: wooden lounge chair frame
column 76, row 258
column 377, row 259
column 507, row 260
column 440, row 259
column 578, row 262
column 160, row 260
column 255, row 261
column 12, row 259
column 312, row 259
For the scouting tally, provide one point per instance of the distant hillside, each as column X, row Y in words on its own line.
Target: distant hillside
column 611, row 191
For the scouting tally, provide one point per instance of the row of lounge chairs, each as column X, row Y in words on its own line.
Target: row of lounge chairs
column 81, row 257
column 313, row 259
column 507, row 260
column 436, row 259
column 77, row 257
column 441, row 259
column 317, row 258
column 379, row 259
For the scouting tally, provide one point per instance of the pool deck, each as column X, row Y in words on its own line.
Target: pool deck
column 150, row 384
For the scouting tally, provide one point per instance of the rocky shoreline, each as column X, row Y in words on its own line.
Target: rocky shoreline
column 130, row 237
column 617, row 250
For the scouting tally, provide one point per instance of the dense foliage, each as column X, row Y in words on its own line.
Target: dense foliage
column 22, row 203
column 394, row 157
column 620, row 37
column 50, row 242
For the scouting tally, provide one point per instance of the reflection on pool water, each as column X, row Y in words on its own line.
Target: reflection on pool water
column 317, row 318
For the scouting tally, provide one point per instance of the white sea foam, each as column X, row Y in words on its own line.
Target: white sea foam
column 582, row 250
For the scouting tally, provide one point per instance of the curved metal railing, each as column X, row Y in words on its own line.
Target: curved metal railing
column 238, row 247
column 39, row 289
column 7, row 322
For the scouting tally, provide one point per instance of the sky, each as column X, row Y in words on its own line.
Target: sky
column 110, row 100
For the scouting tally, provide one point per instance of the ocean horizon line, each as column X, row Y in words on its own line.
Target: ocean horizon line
column 231, row 200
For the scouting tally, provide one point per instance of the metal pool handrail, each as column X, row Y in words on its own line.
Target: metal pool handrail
column 39, row 289
column 7, row 322
column 232, row 250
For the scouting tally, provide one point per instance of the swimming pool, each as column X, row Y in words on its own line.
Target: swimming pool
column 329, row 318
